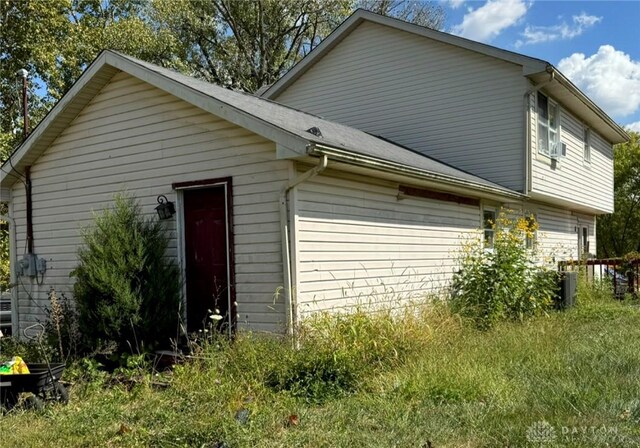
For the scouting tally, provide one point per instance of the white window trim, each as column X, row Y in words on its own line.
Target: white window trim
column 488, row 208
column 554, row 155
column 584, row 240
column 534, row 239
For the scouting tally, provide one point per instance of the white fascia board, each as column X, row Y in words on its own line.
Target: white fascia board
column 529, row 64
column 8, row 174
column 315, row 55
column 571, row 87
column 387, row 166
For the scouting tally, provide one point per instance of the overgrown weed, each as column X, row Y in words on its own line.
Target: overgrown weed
column 417, row 377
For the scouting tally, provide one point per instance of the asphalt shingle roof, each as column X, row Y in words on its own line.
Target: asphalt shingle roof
column 336, row 135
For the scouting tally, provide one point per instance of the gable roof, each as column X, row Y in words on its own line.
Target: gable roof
column 287, row 127
column 537, row 70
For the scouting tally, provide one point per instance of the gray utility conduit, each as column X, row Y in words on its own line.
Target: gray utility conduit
column 284, row 236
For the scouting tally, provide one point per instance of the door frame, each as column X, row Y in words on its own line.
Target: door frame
column 227, row 184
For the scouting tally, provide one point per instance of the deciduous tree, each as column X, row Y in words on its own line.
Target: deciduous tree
column 619, row 232
column 238, row 44
column 248, row 45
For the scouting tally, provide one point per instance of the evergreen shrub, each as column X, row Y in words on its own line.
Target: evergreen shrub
column 127, row 291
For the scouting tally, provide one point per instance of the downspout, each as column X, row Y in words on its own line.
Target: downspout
column 27, row 186
column 527, row 130
column 526, row 187
column 284, row 236
column 13, row 265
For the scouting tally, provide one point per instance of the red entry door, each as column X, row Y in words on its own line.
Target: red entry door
column 206, row 256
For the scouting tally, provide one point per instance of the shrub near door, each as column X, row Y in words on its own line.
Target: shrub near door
column 127, row 292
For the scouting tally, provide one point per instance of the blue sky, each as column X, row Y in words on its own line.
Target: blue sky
column 595, row 43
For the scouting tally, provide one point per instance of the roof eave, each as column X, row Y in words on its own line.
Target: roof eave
column 579, row 104
column 51, row 126
column 566, row 83
column 329, row 42
column 20, row 156
column 355, row 158
column 529, row 64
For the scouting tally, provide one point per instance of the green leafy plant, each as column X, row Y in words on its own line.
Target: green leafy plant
column 4, row 249
column 506, row 281
column 13, row 346
column 127, row 291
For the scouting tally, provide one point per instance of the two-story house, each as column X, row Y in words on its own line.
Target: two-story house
column 509, row 118
column 353, row 179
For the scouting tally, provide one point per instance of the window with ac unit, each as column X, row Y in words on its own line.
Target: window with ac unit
column 549, row 127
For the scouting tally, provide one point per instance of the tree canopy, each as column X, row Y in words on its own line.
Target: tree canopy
column 243, row 45
column 238, row 44
column 619, row 233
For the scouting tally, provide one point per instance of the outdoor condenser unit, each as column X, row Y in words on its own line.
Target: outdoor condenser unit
column 567, row 290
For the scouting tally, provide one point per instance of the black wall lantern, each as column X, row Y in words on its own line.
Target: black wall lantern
column 165, row 207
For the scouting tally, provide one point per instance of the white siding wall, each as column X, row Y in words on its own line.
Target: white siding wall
column 135, row 137
column 359, row 244
column 587, row 184
column 558, row 234
column 459, row 106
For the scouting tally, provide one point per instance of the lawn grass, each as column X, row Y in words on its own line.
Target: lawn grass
column 448, row 386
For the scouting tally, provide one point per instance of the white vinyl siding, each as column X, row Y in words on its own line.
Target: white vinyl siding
column 456, row 105
column 559, row 233
column 140, row 139
column 557, row 238
column 586, row 141
column 570, row 179
column 359, row 244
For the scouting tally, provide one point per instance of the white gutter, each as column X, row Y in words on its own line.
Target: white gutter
column 284, row 236
column 13, row 265
column 565, row 82
column 398, row 168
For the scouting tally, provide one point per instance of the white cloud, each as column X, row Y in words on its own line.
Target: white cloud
column 455, row 4
column 537, row 34
column 490, row 19
column 609, row 77
column 633, row 126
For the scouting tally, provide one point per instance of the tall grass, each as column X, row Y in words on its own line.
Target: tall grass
column 393, row 378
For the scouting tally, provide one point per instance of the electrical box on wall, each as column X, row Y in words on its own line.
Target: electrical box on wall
column 32, row 266
column 41, row 265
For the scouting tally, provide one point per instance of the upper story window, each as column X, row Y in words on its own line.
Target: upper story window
column 548, row 127
column 587, row 145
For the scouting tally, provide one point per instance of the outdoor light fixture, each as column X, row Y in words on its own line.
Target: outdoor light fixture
column 165, row 207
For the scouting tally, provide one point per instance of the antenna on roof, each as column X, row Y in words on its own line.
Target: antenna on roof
column 22, row 73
